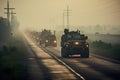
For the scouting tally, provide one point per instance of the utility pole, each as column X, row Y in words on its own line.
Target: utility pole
column 12, row 13
column 8, row 12
column 63, row 20
column 68, row 17
column 68, row 14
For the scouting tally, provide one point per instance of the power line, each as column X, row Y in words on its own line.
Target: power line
column 8, row 12
column 68, row 14
column 63, row 20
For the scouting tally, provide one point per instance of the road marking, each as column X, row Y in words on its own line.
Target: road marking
column 80, row 76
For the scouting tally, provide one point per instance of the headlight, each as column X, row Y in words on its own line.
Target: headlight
column 66, row 45
column 55, row 41
column 87, row 45
column 46, row 41
column 77, row 43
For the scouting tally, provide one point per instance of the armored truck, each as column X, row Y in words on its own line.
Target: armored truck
column 73, row 42
column 48, row 39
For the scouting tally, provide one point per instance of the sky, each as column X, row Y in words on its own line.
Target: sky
column 39, row 14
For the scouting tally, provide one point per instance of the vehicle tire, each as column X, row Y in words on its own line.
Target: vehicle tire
column 46, row 45
column 64, row 53
column 85, row 53
column 54, row 45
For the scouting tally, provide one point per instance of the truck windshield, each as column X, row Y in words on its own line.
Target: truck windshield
column 74, row 36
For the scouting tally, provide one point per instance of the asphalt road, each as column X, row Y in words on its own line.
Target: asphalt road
column 47, row 64
column 42, row 66
column 93, row 68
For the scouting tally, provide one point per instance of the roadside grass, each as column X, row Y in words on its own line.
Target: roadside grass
column 105, row 49
column 12, row 56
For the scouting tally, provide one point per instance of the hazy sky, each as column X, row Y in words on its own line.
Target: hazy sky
column 48, row 13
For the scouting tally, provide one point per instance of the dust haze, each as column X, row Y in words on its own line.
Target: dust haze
column 90, row 16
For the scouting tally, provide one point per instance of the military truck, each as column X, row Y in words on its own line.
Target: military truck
column 51, row 41
column 73, row 42
column 47, row 38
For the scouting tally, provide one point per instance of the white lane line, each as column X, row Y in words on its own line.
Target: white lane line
column 67, row 66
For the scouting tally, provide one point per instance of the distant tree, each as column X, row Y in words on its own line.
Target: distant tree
column 99, row 28
column 14, row 23
column 100, row 44
column 5, row 30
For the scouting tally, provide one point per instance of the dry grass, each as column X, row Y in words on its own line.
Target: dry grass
column 12, row 59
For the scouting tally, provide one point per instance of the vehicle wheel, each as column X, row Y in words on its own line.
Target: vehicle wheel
column 40, row 43
column 55, row 45
column 64, row 53
column 85, row 53
column 46, row 45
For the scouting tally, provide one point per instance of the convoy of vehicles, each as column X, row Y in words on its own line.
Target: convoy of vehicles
column 45, row 38
column 72, row 42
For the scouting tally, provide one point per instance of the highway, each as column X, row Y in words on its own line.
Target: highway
column 47, row 64
column 93, row 68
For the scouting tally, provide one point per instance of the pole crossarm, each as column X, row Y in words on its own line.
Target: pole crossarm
column 9, row 8
column 9, row 12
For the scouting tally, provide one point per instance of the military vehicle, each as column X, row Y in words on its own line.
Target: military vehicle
column 47, row 38
column 34, row 35
column 72, row 42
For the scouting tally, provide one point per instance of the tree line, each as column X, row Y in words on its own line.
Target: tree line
column 5, row 30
